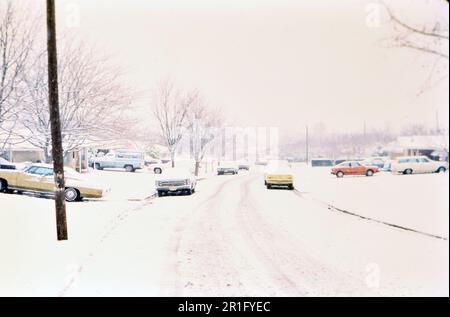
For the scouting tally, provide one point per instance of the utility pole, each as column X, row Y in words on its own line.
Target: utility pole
column 307, row 145
column 55, row 122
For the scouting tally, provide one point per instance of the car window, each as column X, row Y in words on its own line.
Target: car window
column 44, row 171
column 423, row 160
column 344, row 164
column 355, row 164
column 31, row 169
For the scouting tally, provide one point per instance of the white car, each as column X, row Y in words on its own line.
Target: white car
column 156, row 165
column 227, row 167
column 176, row 180
column 417, row 164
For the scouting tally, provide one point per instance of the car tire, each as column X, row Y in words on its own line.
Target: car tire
column 98, row 166
column 291, row 187
column 71, row 194
column 340, row 174
column 441, row 169
column 157, row 170
column 408, row 171
column 129, row 168
column 189, row 192
column 160, row 193
column 369, row 173
column 269, row 186
column 3, row 185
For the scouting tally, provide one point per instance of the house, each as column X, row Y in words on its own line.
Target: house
column 433, row 146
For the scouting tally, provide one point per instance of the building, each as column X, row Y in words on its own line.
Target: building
column 433, row 146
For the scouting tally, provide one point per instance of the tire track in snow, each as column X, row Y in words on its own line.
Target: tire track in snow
column 197, row 222
column 385, row 223
column 298, row 272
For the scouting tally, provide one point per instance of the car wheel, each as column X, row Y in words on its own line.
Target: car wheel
column 369, row 173
column 291, row 187
column 441, row 169
column 98, row 167
column 157, row 170
column 3, row 185
column 160, row 193
column 189, row 192
column 340, row 174
column 408, row 171
column 269, row 186
column 71, row 194
column 129, row 168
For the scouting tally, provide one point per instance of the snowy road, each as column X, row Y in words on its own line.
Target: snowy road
column 233, row 237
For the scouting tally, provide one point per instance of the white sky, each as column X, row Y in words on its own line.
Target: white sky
column 275, row 63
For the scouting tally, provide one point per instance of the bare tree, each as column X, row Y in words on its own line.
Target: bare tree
column 204, row 126
column 92, row 100
column 16, row 42
column 170, row 108
column 425, row 38
column 428, row 38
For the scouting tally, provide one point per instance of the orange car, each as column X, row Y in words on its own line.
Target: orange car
column 353, row 168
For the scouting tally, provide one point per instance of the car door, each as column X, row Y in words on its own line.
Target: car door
column 426, row 165
column 47, row 183
column 345, row 168
column 30, row 178
column 416, row 166
column 357, row 168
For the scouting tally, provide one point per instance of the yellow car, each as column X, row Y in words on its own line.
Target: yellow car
column 278, row 174
column 39, row 178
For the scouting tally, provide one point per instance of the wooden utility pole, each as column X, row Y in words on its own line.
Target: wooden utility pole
column 55, row 122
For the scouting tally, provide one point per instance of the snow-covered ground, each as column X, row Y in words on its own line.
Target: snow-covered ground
column 232, row 237
column 418, row 201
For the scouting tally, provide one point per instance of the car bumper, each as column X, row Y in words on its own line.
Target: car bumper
column 285, row 182
column 94, row 193
column 173, row 189
column 224, row 171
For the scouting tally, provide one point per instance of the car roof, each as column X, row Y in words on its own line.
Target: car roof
column 407, row 157
column 41, row 165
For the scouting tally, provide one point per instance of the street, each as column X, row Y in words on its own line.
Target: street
column 233, row 237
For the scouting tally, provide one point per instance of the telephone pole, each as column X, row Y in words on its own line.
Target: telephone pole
column 55, row 122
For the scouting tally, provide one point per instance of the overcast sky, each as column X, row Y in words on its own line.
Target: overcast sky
column 275, row 63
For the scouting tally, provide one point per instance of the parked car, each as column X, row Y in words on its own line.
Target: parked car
column 176, row 180
column 375, row 161
column 417, row 164
column 39, row 178
column 244, row 166
column 6, row 165
column 156, row 165
column 321, row 162
column 353, row 168
column 387, row 166
column 227, row 167
column 128, row 160
column 278, row 174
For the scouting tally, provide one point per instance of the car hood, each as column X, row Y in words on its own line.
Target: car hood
column 178, row 176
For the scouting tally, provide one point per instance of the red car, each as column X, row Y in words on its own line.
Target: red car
column 353, row 168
